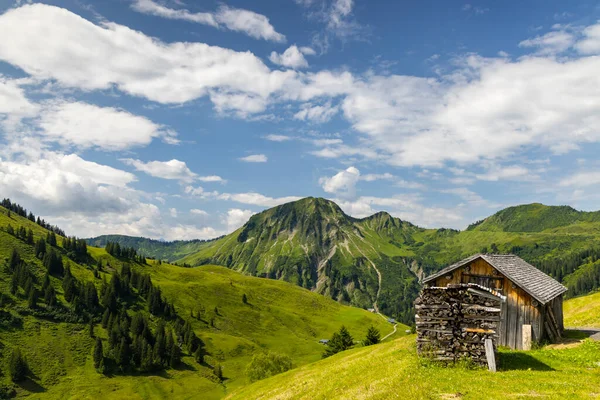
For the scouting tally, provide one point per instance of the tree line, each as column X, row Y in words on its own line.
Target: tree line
column 115, row 250
column 20, row 210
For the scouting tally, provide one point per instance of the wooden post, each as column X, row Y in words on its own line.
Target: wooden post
column 526, row 337
column 489, row 354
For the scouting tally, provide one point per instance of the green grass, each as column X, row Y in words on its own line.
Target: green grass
column 393, row 371
column 583, row 312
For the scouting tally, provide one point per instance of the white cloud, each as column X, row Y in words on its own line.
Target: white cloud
column 42, row 45
column 257, row 199
column 376, row 177
column 553, row 42
column 307, row 51
column 338, row 18
column 211, row 178
column 254, row 158
column 316, row 113
column 511, row 172
column 172, row 169
column 278, row 138
column 470, row 197
column 59, row 183
column 236, row 218
column 196, row 211
column 173, row 212
column 85, row 125
column 152, row 8
column 14, row 105
column 249, row 22
column 404, row 207
column 235, row 19
column 343, row 183
column 590, row 44
column 581, row 179
column 292, row 57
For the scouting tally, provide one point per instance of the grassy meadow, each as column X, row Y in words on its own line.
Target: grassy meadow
column 583, row 312
column 393, row 371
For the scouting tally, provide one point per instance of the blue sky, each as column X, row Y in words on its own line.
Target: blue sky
column 177, row 120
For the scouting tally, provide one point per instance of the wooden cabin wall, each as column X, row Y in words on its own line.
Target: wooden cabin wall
column 516, row 311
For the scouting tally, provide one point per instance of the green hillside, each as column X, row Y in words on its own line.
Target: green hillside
column 158, row 249
column 56, row 342
column 378, row 259
column 583, row 312
column 393, row 371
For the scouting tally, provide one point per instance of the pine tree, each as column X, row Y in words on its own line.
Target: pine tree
column 50, row 296
column 32, row 300
column 40, row 248
column 123, row 353
column 340, row 341
column 373, row 336
column 175, row 356
column 17, row 366
column 244, row 299
column 199, row 355
column 98, row 354
column 29, row 236
column 14, row 261
column 218, row 371
column 105, row 318
column 14, row 284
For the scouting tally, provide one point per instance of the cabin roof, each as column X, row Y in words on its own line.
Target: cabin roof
column 540, row 286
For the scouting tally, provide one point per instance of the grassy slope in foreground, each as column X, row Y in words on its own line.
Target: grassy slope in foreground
column 393, row 371
column 583, row 312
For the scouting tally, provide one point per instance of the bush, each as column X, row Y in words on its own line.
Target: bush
column 264, row 365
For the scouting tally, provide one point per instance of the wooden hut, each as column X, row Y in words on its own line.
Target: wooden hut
column 532, row 297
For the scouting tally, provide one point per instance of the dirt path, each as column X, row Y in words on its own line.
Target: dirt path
column 391, row 333
column 594, row 333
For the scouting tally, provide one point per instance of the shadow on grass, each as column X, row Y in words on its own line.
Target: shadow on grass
column 31, row 386
column 520, row 361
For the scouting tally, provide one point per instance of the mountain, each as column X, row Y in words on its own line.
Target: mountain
column 534, row 217
column 200, row 307
column 161, row 250
column 314, row 244
column 378, row 260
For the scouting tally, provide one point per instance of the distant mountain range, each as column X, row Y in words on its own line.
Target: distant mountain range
column 377, row 261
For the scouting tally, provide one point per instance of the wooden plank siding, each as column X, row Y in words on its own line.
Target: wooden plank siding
column 518, row 310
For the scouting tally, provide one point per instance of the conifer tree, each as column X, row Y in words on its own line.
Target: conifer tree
column 29, row 236
column 32, row 300
column 50, row 296
column 17, row 366
column 175, row 356
column 40, row 248
column 218, row 371
column 14, row 261
column 373, row 336
column 98, row 354
column 340, row 341
column 14, row 284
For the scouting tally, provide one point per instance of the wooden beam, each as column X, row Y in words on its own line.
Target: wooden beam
column 526, row 337
column 554, row 323
column 489, row 355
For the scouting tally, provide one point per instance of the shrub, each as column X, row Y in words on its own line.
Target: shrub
column 264, row 365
